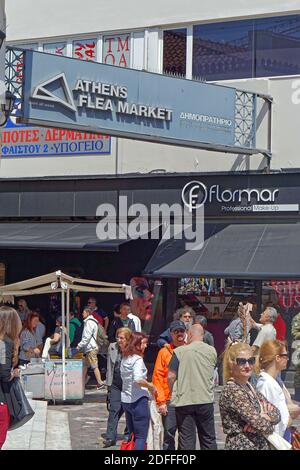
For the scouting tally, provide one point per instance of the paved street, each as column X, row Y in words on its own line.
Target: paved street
column 77, row 427
column 88, row 423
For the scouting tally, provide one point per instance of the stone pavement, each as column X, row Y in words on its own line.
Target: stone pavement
column 47, row 430
column 32, row 435
column 77, row 427
column 88, row 422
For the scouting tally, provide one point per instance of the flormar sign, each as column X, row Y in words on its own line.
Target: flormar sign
column 196, row 194
column 72, row 94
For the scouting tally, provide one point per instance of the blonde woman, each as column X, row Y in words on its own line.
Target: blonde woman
column 273, row 358
column 10, row 328
column 247, row 416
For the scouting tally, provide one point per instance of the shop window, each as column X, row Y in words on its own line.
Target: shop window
column 247, row 48
column 174, row 55
column 31, row 47
column 224, row 50
column 116, row 50
column 57, row 48
column 277, row 46
column 217, row 299
column 85, row 49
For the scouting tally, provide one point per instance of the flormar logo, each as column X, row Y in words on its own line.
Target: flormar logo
column 195, row 194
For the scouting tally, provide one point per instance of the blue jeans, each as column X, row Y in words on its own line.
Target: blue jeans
column 137, row 421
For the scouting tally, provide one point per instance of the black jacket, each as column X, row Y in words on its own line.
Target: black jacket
column 6, row 357
column 114, row 325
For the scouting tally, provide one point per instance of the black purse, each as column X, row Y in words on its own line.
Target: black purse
column 18, row 406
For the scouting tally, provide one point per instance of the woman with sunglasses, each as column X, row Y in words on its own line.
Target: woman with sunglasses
column 247, row 416
column 273, row 358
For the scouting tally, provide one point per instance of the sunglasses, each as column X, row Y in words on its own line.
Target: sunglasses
column 284, row 355
column 241, row 361
column 178, row 331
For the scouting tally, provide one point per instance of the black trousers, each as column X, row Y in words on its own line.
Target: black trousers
column 170, row 428
column 115, row 412
column 203, row 417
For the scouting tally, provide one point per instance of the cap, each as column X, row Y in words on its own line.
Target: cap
column 177, row 325
column 59, row 319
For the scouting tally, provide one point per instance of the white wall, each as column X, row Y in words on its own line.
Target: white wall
column 29, row 19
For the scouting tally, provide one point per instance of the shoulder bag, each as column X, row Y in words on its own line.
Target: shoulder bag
column 18, row 406
column 277, row 442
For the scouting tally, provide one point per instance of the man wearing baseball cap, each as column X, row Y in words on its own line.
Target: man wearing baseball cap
column 160, row 381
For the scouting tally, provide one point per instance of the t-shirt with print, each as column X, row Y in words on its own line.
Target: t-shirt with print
column 267, row 333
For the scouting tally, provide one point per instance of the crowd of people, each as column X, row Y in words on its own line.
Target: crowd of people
column 254, row 402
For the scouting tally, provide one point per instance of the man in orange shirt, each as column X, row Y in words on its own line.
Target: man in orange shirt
column 160, row 381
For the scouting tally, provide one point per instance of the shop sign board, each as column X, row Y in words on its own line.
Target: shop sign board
column 26, row 141
column 237, row 200
column 54, row 380
column 72, row 94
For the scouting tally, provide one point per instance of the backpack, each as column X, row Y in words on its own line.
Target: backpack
column 101, row 338
column 77, row 335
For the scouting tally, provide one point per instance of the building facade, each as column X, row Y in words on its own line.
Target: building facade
column 253, row 47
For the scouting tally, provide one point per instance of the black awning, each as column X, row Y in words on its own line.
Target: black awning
column 250, row 251
column 55, row 236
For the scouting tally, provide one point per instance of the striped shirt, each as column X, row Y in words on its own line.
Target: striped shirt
column 28, row 340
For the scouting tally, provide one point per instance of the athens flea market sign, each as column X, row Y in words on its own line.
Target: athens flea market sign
column 73, row 94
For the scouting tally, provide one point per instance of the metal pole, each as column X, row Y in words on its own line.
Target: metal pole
column 63, row 344
column 68, row 318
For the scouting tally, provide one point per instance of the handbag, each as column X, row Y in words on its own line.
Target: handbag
column 128, row 445
column 277, row 442
column 18, row 406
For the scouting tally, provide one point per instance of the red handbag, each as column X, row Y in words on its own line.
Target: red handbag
column 128, row 445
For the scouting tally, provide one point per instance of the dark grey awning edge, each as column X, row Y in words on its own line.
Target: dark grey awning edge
column 215, row 274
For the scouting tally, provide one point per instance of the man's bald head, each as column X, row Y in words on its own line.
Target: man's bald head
column 195, row 333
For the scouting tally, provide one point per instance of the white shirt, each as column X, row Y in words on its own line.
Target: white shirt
column 271, row 389
column 136, row 321
column 133, row 369
column 266, row 333
column 89, row 335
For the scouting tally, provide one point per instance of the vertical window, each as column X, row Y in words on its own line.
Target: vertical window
column 277, row 45
column 224, row 50
column 58, row 48
column 116, row 50
column 31, row 47
column 174, row 55
column 85, row 49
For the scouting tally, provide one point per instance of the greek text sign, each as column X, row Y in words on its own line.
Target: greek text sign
column 24, row 141
column 128, row 103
